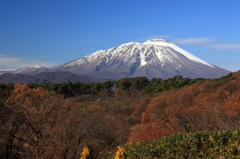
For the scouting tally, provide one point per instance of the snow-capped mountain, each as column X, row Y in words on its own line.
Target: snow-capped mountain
column 28, row 70
column 153, row 58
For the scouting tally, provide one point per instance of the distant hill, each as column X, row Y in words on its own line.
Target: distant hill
column 49, row 77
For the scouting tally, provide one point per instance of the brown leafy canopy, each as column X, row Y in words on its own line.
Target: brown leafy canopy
column 34, row 122
column 43, row 124
column 207, row 105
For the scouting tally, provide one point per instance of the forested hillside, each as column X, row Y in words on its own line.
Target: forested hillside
column 51, row 120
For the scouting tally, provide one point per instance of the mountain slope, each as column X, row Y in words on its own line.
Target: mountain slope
column 154, row 58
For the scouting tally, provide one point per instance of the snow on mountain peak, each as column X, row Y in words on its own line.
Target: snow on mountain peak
column 119, row 51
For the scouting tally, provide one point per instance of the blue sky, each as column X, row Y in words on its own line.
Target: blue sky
column 52, row 32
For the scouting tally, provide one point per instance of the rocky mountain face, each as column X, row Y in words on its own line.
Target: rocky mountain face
column 154, row 58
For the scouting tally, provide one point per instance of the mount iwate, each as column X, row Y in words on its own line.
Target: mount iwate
column 154, row 58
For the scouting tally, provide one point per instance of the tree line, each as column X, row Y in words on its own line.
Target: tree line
column 70, row 89
column 130, row 84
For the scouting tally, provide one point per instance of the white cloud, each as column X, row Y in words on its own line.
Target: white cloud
column 11, row 62
column 198, row 40
column 235, row 46
column 155, row 37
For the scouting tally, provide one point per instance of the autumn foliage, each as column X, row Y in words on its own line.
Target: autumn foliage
column 35, row 121
column 43, row 123
column 207, row 105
